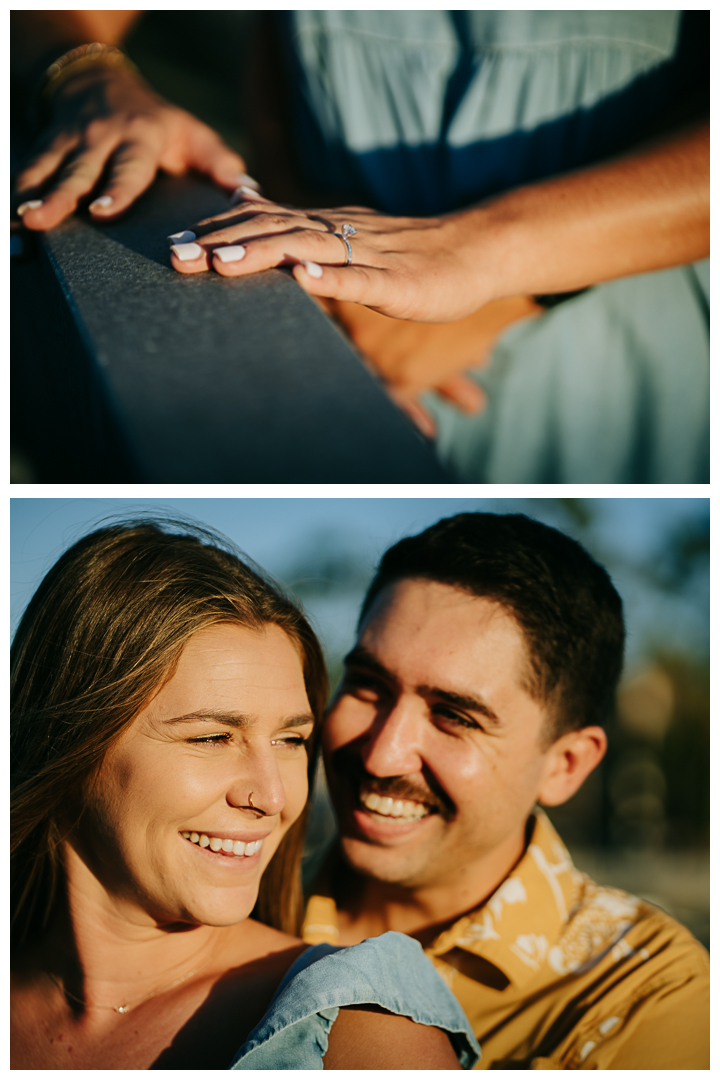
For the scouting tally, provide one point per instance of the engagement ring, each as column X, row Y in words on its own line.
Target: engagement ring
column 347, row 230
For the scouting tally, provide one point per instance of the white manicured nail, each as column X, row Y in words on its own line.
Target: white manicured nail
column 183, row 237
column 32, row 205
column 313, row 269
column 187, row 251
column 243, row 193
column 232, row 253
column 243, row 179
column 101, row 203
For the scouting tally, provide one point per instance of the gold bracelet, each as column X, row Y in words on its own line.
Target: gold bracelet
column 76, row 60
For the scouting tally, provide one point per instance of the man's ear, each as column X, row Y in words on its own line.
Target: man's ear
column 570, row 759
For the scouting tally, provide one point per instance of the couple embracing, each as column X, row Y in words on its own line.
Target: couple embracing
column 168, row 703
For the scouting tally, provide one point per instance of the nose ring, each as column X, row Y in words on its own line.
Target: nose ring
column 250, row 802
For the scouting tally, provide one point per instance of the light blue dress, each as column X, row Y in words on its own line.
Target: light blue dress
column 425, row 112
column 391, row 971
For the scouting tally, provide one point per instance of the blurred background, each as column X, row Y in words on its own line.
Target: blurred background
column 641, row 821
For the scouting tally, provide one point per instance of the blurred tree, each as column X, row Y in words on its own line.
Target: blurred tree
column 327, row 566
column 685, row 753
column 578, row 510
column 683, row 555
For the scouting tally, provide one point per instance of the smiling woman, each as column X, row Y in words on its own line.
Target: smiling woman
column 166, row 702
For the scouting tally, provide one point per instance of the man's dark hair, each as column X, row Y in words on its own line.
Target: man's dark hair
column 562, row 599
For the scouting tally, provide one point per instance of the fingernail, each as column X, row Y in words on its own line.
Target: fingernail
column 231, row 253
column 32, row 205
column 244, row 180
column 187, row 251
column 242, row 193
column 313, row 269
column 102, row 202
column 17, row 247
column 183, row 237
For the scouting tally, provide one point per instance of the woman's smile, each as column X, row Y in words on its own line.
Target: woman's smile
column 216, row 759
column 224, row 845
column 164, row 701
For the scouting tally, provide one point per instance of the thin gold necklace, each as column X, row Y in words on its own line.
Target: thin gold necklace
column 122, row 1009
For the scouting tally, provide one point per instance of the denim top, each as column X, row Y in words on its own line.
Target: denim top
column 390, row 971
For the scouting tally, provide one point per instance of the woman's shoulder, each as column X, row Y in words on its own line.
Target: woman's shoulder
column 253, row 951
column 389, row 974
column 251, row 940
column 267, row 937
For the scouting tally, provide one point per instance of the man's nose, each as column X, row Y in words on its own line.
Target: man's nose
column 393, row 745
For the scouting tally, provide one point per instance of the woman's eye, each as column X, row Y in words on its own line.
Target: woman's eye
column 212, row 740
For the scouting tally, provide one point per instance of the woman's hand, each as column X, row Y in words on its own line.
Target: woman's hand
column 643, row 211
column 407, row 268
column 108, row 136
column 392, row 274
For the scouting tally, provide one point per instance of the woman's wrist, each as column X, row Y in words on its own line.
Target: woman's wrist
column 80, row 59
column 514, row 249
column 484, row 237
column 509, row 238
column 115, row 87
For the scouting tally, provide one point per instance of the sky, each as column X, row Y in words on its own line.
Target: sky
column 296, row 539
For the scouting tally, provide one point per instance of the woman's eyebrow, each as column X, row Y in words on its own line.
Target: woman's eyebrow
column 236, row 719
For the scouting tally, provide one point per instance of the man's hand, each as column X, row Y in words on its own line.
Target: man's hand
column 109, row 134
column 412, row 358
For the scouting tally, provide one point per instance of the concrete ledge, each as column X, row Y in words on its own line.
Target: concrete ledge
column 201, row 379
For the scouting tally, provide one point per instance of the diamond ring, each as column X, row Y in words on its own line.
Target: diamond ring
column 347, row 231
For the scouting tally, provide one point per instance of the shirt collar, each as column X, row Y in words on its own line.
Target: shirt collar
column 517, row 928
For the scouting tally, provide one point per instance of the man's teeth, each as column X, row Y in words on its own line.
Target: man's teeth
column 396, row 808
column 217, row 843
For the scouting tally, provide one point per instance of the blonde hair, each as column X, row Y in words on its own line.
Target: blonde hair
column 101, row 635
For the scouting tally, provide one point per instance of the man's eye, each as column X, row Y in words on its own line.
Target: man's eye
column 456, row 719
column 212, row 740
column 358, row 680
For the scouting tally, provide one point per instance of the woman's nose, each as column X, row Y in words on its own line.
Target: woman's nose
column 260, row 787
column 393, row 745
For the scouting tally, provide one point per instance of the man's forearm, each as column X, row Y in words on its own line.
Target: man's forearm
column 638, row 213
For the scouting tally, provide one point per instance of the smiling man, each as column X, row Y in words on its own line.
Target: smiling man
column 488, row 655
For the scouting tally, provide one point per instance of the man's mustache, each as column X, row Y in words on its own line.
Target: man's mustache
column 346, row 765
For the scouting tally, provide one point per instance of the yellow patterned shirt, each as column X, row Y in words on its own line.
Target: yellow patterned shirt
column 556, row 972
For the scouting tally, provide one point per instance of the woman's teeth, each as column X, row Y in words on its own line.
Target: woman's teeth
column 229, row 847
column 395, row 808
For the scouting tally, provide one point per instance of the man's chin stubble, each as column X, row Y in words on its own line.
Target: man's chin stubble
column 379, row 863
